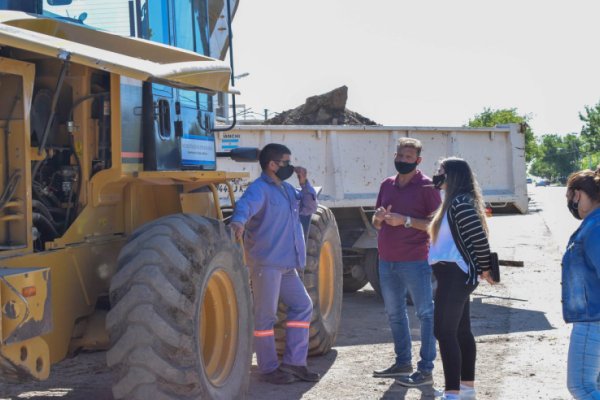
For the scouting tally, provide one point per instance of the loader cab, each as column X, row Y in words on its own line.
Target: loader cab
column 30, row 6
column 164, row 128
column 178, row 123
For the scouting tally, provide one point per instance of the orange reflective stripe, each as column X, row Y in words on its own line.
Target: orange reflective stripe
column 269, row 332
column 298, row 324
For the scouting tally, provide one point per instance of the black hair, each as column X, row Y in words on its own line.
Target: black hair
column 460, row 179
column 586, row 180
column 272, row 152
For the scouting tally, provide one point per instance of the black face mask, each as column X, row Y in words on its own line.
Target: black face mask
column 574, row 208
column 438, row 180
column 404, row 167
column 284, row 173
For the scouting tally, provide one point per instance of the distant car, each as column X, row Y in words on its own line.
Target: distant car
column 542, row 182
column 529, row 180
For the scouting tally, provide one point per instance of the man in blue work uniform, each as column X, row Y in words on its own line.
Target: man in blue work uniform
column 268, row 218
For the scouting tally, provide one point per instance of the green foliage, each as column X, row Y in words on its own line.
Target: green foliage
column 557, row 156
column 590, row 132
column 490, row 118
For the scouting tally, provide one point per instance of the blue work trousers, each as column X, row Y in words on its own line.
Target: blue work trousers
column 583, row 366
column 397, row 279
column 269, row 285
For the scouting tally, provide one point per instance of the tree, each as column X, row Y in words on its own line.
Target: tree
column 557, row 156
column 490, row 118
column 590, row 132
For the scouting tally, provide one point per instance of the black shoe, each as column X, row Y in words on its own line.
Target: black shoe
column 278, row 377
column 393, row 371
column 419, row 378
column 300, row 372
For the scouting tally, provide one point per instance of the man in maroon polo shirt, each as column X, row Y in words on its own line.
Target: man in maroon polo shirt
column 404, row 206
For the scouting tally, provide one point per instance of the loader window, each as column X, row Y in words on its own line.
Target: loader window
column 184, row 39
column 184, row 25
column 19, row 5
column 156, row 21
column 201, row 26
column 109, row 15
column 201, row 42
column 164, row 118
column 156, row 26
column 191, row 33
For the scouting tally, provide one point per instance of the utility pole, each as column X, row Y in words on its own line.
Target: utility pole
column 266, row 114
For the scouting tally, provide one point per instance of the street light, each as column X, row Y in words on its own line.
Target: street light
column 243, row 75
column 223, row 101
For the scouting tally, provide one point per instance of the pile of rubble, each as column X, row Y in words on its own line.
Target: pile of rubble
column 326, row 109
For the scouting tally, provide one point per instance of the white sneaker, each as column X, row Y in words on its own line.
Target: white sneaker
column 467, row 393
column 440, row 395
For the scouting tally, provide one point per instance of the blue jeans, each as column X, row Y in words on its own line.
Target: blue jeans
column 414, row 277
column 583, row 366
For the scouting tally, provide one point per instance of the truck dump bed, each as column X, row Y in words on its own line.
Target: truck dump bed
column 349, row 162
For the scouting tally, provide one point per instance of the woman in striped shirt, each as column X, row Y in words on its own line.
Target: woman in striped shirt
column 459, row 254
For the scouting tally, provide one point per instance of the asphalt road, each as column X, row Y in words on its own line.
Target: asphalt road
column 552, row 202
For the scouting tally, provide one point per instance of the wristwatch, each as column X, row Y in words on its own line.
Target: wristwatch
column 408, row 222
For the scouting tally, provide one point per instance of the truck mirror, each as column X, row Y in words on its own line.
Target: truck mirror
column 241, row 154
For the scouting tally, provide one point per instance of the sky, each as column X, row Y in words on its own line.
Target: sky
column 423, row 62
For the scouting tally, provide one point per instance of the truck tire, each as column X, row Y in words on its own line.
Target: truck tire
column 372, row 269
column 355, row 277
column 181, row 318
column 323, row 279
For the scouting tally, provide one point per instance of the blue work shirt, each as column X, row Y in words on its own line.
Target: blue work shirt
column 581, row 272
column 273, row 235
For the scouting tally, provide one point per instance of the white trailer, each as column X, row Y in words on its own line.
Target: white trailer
column 348, row 163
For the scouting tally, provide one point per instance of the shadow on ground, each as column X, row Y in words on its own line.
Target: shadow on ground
column 492, row 319
column 486, row 318
column 367, row 307
column 262, row 390
column 67, row 383
column 397, row 392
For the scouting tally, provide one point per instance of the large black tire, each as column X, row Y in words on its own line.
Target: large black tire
column 355, row 277
column 323, row 279
column 372, row 269
column 180, row 324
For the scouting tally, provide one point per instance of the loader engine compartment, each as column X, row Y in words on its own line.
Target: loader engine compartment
column 56, row 180
column 69, row 143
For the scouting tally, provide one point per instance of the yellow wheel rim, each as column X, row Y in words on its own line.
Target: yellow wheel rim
column 219, row 328
column 326, row 279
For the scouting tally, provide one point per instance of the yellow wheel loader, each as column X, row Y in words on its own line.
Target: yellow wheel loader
column 112, row 235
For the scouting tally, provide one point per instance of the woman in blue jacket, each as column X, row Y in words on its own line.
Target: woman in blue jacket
column 581, row 285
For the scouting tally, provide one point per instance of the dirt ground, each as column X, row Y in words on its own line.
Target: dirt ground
column 522, row 339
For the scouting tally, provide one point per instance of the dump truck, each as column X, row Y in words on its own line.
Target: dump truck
column 349, row 163
column 112, row 234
